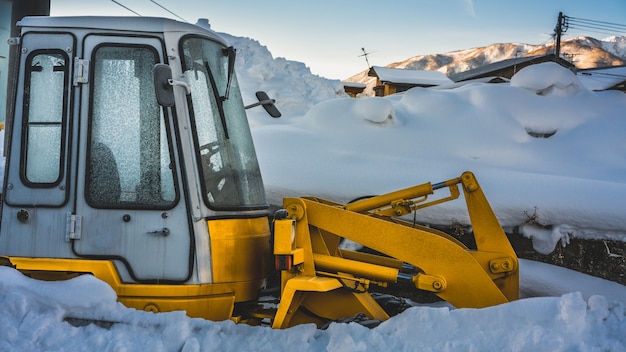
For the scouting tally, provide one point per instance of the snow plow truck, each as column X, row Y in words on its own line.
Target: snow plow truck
column 129, row 157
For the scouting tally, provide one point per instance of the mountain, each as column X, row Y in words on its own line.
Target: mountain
column 584, row 52
column 615, row 45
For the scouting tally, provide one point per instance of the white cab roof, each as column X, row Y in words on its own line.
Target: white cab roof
column 121, row 23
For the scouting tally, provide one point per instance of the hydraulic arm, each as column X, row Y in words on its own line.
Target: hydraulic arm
column 321, row 282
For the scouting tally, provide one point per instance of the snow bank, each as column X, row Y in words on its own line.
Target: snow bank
column 291, row 83
column 542, row 280
column 34, row 319
column 555, row 324
column 557, row 157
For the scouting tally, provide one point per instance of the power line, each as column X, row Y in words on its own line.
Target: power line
column 595, row 26
column 587, row 29
column 603, row 24
column 136, row 13
column 565, row 23
column 166, row 9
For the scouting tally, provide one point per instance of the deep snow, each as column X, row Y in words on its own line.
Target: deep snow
column 573, row 180
column 336, row 147
column 33, row 314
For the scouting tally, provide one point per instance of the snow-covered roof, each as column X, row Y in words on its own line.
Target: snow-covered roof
column 499, row 67
column 602, row 78
column 419, row 77
column 353, row 84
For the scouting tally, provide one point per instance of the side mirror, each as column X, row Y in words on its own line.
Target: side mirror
column 268, row 104
column 163, row 88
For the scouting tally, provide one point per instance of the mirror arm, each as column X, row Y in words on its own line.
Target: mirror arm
column 263, row 102
column 173, row 83
column 267, row 103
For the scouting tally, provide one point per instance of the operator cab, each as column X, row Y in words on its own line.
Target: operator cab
column 129, row 143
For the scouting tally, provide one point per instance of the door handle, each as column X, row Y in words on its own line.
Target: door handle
column 163, row 232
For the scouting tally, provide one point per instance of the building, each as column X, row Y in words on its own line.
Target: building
column 507, row 68
column 607, row 78
column 353, row 88
column 393, row 80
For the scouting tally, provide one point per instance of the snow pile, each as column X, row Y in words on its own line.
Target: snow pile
column 545, row 240
column 36, row 316
column 289, row 82
column 573, row 181
column 548, row 78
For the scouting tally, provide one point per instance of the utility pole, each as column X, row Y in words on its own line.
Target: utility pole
column 517, row 52
column 561, row 27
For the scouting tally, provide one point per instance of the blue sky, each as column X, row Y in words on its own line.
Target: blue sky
column 328, row 35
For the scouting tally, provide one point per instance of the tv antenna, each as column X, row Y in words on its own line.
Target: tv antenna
column 365, row 53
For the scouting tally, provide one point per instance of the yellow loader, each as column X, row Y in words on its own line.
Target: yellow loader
column 130, row 158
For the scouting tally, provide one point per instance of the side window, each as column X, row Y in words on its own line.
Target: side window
column 44, row 117
column 225, row 152
column 129, row 163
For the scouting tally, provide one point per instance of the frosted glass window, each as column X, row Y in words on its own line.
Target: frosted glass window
column 130, row 163
column 226, row 157
column 44, row 108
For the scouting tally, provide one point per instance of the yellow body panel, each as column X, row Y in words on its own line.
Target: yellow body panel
column 209, row 301
column 240, row 249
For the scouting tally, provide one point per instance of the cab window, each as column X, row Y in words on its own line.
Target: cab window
column 225, row 152
column 45, row 111
column 129, row 161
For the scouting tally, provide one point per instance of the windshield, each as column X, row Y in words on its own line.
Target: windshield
column 224, row 150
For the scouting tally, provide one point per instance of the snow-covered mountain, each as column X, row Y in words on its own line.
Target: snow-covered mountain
column 615, row 45
column 584, row 52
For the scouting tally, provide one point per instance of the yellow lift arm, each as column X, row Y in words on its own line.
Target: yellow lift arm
column 321, row 282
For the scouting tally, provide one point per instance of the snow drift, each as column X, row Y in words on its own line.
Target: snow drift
column 547, row 151
column 35, row 318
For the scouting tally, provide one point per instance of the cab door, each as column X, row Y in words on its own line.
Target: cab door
column 130, row 204
column 37, row 193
